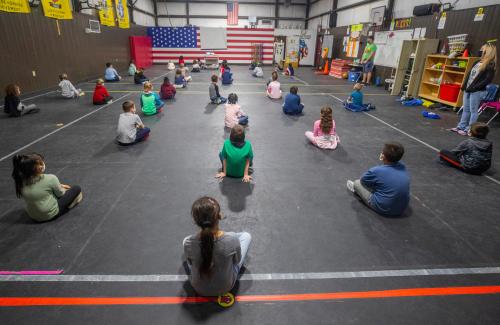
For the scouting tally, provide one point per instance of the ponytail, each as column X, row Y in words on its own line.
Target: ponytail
column 206, row 214
column 25, row 169
column 326, row 123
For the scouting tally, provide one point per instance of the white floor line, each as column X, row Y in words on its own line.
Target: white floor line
column 411, row 137
column 305, row 83
column 36, row 96
column 61, row 128
column 493, row 270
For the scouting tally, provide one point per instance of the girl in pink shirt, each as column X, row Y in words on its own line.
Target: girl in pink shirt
column 233, row 115
column 324, row 135
column 274, row 87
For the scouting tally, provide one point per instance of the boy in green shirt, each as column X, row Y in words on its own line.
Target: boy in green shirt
column 236, row 156
column 367, row 60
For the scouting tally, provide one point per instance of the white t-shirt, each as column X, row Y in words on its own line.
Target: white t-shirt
column 67, row 88
column 274, row 89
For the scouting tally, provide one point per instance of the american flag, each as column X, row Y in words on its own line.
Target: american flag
column 173, row 37
column 232, row 13
column 239, row 46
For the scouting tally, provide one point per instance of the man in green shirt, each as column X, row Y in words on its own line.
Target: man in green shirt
column 236, row 155
column 367, row 60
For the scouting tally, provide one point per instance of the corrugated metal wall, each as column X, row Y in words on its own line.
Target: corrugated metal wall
column 457, row 22
column 31, row 42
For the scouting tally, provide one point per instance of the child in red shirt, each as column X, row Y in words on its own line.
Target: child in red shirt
column 167, row 90
column 101, row 95
column 181, row 60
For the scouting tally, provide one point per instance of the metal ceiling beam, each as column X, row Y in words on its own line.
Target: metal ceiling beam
column 187, row 12
column 225, row 17
column 354, row 5
column 269, row 3
column 308, row 8
column 155, row 9
column 276, row 13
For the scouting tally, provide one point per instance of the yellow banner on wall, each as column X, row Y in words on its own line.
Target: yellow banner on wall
column 58, row 9
column 107, row 14
column 21, row 6
column 122, row 13
column 356, row 28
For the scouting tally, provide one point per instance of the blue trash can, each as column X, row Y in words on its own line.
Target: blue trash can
column 354, row 76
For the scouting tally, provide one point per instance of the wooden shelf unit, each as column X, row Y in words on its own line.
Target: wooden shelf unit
column 410, row 65
column 448, row 74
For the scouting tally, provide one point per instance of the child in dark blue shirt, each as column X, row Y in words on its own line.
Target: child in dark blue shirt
column 292, row 105
column 385, row 188
column 355, row 101
column 227, row 76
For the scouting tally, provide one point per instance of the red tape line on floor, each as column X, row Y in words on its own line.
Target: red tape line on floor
column 86, row 301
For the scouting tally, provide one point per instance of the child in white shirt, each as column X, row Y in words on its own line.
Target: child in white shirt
column 233, row 114
column 67, row 88
column 274, row 88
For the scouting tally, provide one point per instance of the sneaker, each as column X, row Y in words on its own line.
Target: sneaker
column 350, row 186
column 454, row 129
column 77, row 200
column 110, row 101
column 462, row 132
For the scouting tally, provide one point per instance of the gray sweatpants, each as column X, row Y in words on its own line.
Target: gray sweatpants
column 363, row 192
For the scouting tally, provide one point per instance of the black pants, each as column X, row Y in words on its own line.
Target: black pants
column 68, row 197
column 450, row 158
column 105, row 101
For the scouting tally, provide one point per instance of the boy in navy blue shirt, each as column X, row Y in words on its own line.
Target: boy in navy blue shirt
column 292, row 105
column 385, row 188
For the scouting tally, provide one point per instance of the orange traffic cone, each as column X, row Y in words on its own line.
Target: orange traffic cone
column 326, row 69
column 466, row 53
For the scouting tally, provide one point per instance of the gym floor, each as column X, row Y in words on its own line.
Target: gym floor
column 318, row 255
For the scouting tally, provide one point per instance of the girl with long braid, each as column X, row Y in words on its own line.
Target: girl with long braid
column 324, row 135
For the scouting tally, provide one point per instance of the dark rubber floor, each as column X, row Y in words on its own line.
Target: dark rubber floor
column 137, row 200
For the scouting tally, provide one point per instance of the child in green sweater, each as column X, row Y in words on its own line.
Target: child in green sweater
column 236, row 156
column 44, row 196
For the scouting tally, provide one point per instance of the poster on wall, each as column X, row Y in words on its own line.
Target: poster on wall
column 106, row 14
column 292, row 49
column 279, row 50
column 442, row 21
column 479, row 15
column 122, row 13
column 307, row 44
column 20, row 6
column 352, row 48
column 58, row 9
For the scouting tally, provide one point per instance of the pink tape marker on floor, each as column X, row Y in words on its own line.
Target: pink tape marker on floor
column 29, row 272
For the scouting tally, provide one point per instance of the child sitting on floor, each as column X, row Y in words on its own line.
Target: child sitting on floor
column 170, row 66
column 213, row 92
column 355, row 101
column 324, row 135
column 130, row 129
column 227, row 76
column 184, row 72
column 167, row 90
column 292, row 104
column 196, row 66
column 132, row 69
column 101, row 95
column 180, row 82
column 67, row 88
column 274, row 87
column 257, row 72
column 236, row 156
column 13, row 105
column 150, row 101
column 181, row 60
column 213, row 257
column 222, row 68
column 289, row 71
column 45, row 198
column 233, row 114
column 473, row 155
column 111, row 74
column 385, row 188
column 139, row 77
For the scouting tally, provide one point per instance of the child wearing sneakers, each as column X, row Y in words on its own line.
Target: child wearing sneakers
column 385, row 188
column 292, row 104
column 233, row 114
column 236, row 156
column 130, row 129
column 67, row 88
column 473, row 155
column 274, row 87
column 213, row 92
column 101, row 95
column 150, row 101
column 355, row 101
column 324, row 135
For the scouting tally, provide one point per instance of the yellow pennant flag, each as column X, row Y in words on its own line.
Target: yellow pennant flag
column 107, row 14
column 21, row 6
column 59, row 9
column 122, row 13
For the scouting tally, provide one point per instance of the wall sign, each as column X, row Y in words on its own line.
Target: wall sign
column 106, row 14
column 479, row 15
column 403, row 23
column 442, row 21
column 58, row 9
column 122, row 13
column 20, row 6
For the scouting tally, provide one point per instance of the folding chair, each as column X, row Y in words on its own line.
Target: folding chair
column 491, row 96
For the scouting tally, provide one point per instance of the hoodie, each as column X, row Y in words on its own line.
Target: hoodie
column 100, row 94
column 474, row 154
column 149, row 102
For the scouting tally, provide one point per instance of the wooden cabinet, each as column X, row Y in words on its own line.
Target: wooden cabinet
column 410, row 65
column 440, row 70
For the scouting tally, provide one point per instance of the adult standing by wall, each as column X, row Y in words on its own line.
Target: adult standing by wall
column 367, row 60
column 474, row 87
